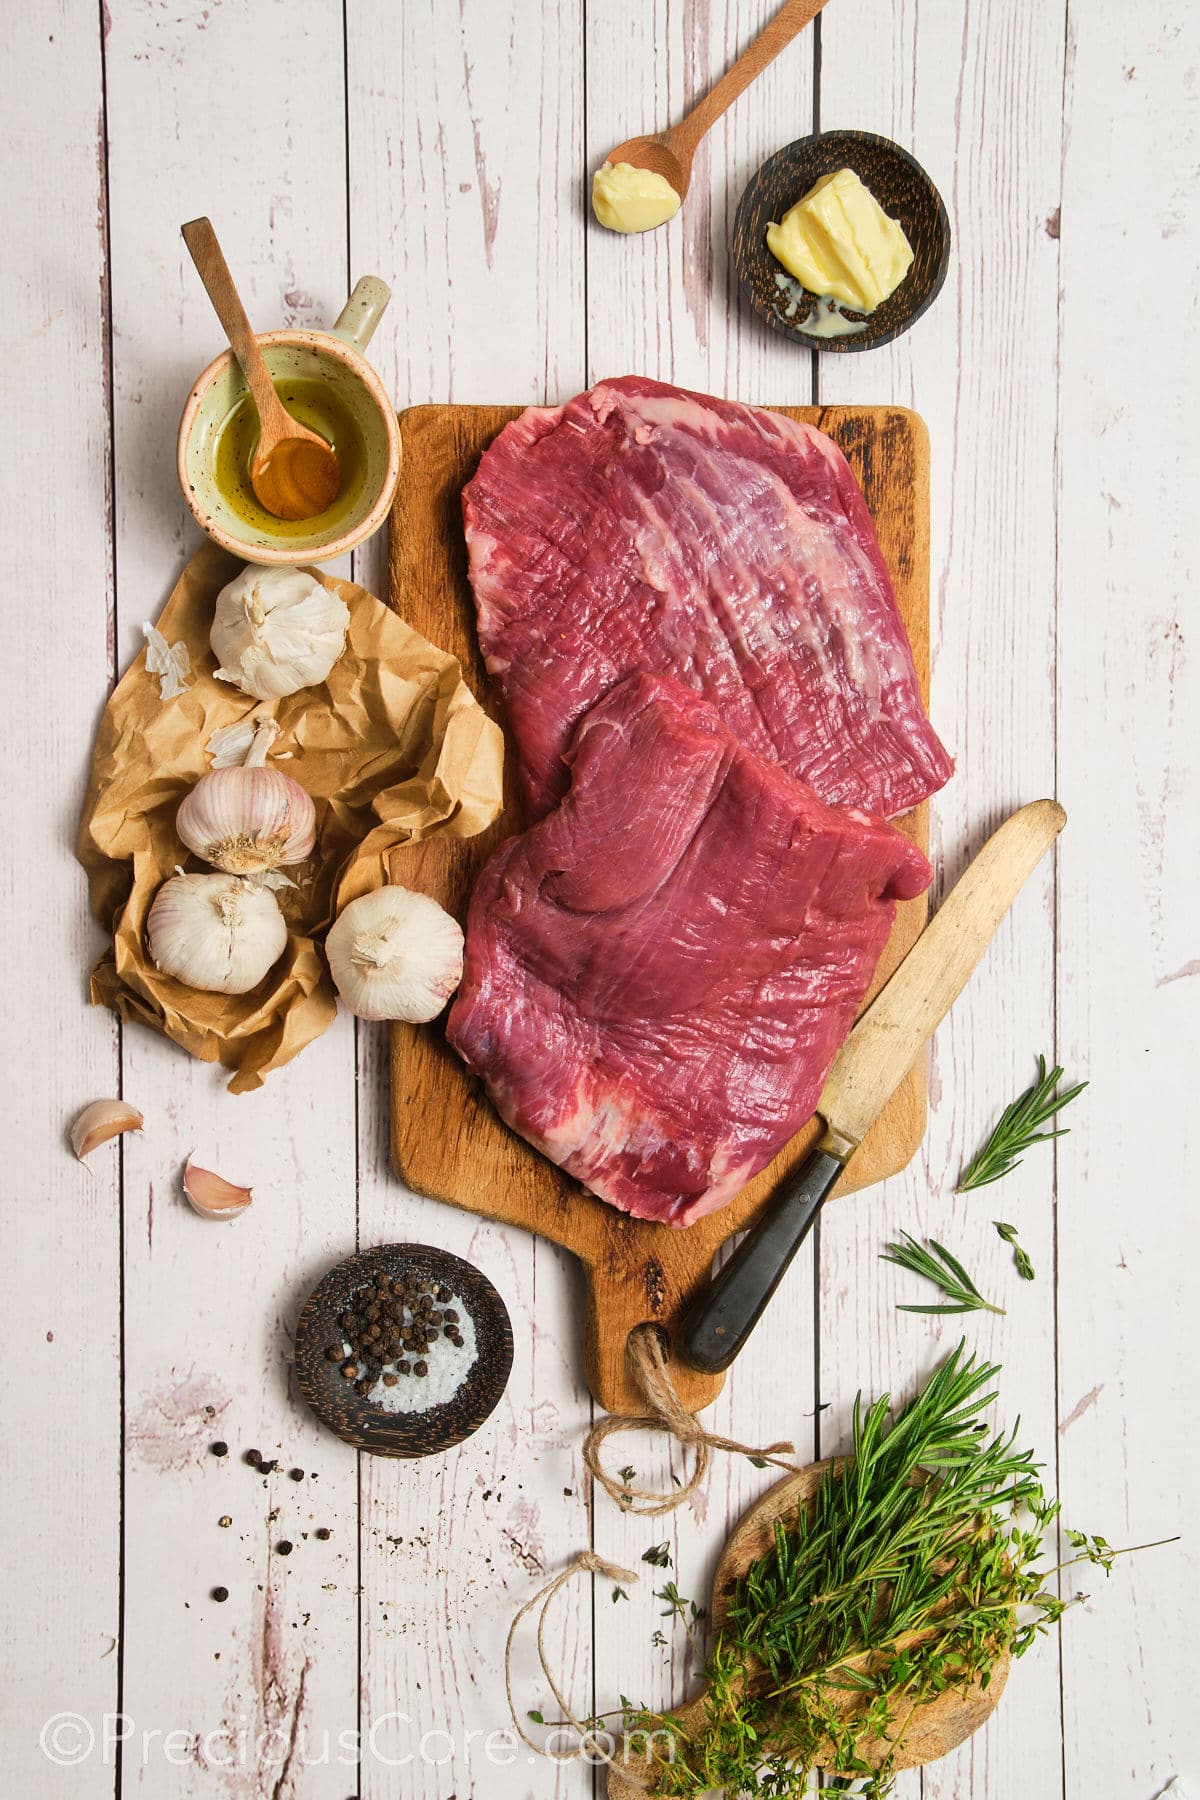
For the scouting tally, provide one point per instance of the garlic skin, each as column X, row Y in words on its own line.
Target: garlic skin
column 215, row 932
column 277, row 630
column 248, row 819
column 211, row 1195
column 102, row 1120
column 394, row 954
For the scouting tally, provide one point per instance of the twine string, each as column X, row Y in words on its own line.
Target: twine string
column 587, row 1562
column 650, row 1366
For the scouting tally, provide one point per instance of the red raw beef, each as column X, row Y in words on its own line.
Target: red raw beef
column 659, row 973
column 640, row 527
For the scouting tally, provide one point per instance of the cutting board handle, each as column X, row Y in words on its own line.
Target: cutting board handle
column 650, row 1290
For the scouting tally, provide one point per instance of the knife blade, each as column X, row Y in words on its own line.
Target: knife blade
column 868, row 1069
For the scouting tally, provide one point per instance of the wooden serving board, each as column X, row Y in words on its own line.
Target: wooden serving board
column 446, row 1140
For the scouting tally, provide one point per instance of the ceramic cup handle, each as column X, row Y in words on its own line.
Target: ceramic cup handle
column 362, row 312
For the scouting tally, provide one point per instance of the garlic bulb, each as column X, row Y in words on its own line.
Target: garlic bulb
column 277, row 630
column 395, row 955
column 215, row 932
column 246, row 819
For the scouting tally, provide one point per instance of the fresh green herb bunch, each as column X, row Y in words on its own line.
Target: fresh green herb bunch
column 913, row 1571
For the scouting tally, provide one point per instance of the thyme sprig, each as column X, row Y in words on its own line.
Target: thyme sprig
column 1021, row 1256
column 1019, row 1127
column 914, row 1570
column 937, row 1265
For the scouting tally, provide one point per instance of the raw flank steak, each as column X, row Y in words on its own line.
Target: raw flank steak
column 640, row 527
column 660, row 972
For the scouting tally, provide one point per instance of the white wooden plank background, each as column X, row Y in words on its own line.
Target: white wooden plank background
column 446, row 148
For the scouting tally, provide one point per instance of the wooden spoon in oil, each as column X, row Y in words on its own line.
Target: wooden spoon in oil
column 294, row 473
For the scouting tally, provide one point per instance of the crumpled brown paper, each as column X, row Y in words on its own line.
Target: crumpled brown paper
column 392, row 747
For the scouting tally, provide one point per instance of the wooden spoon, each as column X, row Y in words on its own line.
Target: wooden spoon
column 670, row 153
column 294, row 473
column 933, row 1730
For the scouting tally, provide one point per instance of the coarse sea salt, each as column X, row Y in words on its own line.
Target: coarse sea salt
column 449, row 1368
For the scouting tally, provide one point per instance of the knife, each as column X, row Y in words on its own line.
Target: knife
column 866, row 1073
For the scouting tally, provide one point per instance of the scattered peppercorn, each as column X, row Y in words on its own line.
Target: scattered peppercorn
column 224, row 1521
column 219, row 1448
column 220, row 1593
column 296, row 1474
column 323, row 1532
column 253, row 1457
column 284, row 1547
column 268, row 1468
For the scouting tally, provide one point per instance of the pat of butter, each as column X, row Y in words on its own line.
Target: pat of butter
column 840, row 244
column 628, row 199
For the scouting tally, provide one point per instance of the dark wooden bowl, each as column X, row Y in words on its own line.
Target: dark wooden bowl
column 361, row 1419
column 904, row 191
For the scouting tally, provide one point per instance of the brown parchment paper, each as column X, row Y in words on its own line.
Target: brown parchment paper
column 392, row 747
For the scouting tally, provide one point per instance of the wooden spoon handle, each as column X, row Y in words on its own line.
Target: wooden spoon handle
column 213, row 270
column 791, row 18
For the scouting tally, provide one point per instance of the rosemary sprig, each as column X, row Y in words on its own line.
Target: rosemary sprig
column 889, row 1588
column 937, row 1265
column 1020, row 1255
column 1018, row 1128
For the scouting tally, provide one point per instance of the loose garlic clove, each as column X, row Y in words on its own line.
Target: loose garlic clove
column 215, row 932
column 247, row 819
column 102, row 1120
column 395, row 955
column 212, row 1196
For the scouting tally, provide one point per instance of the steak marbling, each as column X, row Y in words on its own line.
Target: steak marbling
column 659, row 974
column 640, row 527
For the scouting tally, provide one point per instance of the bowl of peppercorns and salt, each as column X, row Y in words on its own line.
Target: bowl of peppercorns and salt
column 404, row 1350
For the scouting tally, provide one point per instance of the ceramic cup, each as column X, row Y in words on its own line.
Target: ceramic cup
column 333, row 356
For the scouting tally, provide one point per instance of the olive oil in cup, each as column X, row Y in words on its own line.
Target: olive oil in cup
column 326, row 383
column 316, row 404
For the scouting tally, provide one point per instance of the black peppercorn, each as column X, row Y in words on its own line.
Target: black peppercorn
column 220, row 1593
column 420, row 1368
column 323, row 1532
column 296, row 1474
column 253, row 1457
column 219, row 1448
column 284, row 1547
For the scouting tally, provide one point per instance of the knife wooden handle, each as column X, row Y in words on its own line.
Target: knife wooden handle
column 714, row 1332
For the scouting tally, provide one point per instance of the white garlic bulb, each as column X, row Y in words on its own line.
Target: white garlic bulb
column 277, row 630
column 395, row 955
column 215, row 932
column 248, row 819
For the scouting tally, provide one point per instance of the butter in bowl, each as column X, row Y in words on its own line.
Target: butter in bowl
column 841, row 241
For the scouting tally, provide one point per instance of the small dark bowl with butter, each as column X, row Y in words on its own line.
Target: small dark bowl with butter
column 903, row 190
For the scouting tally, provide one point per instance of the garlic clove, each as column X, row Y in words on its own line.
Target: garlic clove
column 395, row 954
column 215, row 932
column 102, row 1120
column 211, row 1195
column 245, row 741
column 248, row 818
column 277, row 630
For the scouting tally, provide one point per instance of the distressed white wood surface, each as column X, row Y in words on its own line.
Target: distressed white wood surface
column 446, row 148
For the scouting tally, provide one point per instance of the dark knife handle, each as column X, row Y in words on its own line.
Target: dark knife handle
column 718, row 1323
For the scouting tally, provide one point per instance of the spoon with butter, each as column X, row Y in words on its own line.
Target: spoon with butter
column 642, row 183
column 294, row 473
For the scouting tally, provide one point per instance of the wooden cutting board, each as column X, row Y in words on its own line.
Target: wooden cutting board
column 446, row 1140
